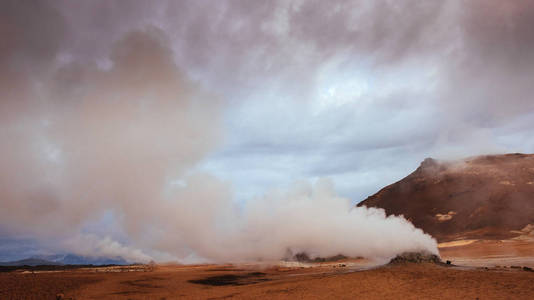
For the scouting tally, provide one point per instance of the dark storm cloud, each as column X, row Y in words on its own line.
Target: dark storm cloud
column 490, row 80
column 478, row 55
column 32, row 32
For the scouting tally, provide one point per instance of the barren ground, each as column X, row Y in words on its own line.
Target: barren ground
column 353, row 279
column 484, row 197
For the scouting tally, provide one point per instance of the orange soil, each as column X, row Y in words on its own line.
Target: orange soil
column 487, row 248
column 406, row 281
column 339, row 280
column 492, row 253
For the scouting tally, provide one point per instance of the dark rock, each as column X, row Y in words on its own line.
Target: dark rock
column 304, row 257
column 416, row 257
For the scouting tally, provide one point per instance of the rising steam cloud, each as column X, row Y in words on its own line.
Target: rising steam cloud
column 124, row 139
column 103, row 124
column 82, row 139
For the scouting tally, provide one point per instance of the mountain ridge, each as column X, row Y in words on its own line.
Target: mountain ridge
column 487, row 196
column 65, row 259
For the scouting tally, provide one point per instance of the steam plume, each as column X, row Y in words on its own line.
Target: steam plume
column 80, row 140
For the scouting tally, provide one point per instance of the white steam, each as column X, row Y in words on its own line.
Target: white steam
column 79, row 141
column 312, row 219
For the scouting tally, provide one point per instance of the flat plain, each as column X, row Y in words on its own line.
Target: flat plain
column 479, row 270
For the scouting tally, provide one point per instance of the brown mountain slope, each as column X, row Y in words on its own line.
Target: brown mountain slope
column 480, row 197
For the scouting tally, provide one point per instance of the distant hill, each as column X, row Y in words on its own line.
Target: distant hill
column 72, row 259
column 66, row 259
column 29, row 262
column 479, row 197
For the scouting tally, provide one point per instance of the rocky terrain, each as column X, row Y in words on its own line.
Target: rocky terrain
column 484, row 197
column 403, row 280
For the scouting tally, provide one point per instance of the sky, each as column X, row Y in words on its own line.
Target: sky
column 106, row 104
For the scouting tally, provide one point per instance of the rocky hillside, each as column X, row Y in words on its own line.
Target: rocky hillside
column 480, row 197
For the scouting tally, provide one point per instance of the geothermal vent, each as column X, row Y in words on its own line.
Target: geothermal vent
column 416, row 257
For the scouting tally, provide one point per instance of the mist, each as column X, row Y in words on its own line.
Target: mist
column 234, row 131
column 82, row 140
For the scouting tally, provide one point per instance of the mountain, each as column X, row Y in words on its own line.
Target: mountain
column 73, row 259
column 66, row 259
column 479, row 197
column 28, row 262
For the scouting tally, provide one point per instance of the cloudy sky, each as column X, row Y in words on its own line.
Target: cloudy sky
column 270, row 94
